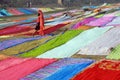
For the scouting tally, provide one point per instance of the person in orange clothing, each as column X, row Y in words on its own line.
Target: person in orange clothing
column 40, row 23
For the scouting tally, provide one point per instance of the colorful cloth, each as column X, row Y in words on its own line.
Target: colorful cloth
column 56, row 66
column 11, row 61
column 115, row 22
column 18, row 71
column 115, row 54
column 101, row 21
column 73, row 46
column 103, row 70
column 68, row 72
column 103, row 45
column 15, row 29
column 83, row 22
column 9, row 43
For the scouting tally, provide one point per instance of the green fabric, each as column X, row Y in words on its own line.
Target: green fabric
column 115, row 54
column 98, row 16
column 52, row 43
column 74, row 45
column 118, row 14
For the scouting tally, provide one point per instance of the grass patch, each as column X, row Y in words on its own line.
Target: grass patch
column 59, row 40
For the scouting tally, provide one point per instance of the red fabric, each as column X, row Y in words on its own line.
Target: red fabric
column 48, row 30
column 21, row 70
column 103, row 70
column 54, row 28
column 14, row 30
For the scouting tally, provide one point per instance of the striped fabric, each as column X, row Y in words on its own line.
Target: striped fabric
column 56, row 66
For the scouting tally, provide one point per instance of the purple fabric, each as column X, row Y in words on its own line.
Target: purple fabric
column 9, row 43
column 52, row 68
column 83, row 22
column 101, row 21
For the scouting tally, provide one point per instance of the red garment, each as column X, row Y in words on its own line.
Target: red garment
column 103, row 70
column 23, row 69
column 41, row 21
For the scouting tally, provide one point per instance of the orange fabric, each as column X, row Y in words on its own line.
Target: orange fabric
column 3, row 56
column 84, row 27
column 97, row 10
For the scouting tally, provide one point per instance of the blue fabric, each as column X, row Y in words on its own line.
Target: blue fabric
column 56, row 66
column 5, row 13
column 68, row 72
column 9, row 43
column 30, row 10
column 24, row 11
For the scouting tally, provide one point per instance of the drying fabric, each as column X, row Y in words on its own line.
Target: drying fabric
column 49, row 29
column 59, row 40
column 5, row 12
column 17, row 11
column 11, row 61
column 19, row 49
column 68, row 72
column 99, row 16
column 30, row 10
column 115, row 22
column 74, row 45
column 103, row 70
column 8, row 24
column 115, row 54
column 1, row 15
column 101, row 21
column 103, row 45
column 24, row 11
column 21, row 70
column 14, row 42
column 60, row 21
column 84, row 27
column 83, row 22
column 117, row 13
column 2, row 56
column 14, row 30
column 14, row 11
column 57, row 14
column 34, row 11
column 47, row 71
column 53, row 28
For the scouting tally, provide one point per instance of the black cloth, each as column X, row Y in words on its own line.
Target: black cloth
column 37, row 26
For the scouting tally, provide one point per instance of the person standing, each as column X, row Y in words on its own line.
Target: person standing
column 40, row 23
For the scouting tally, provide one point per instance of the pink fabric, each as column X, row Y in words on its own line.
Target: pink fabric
column 101, row 21
column 9, row 62
column 83, row 22
column 21, row 70
column 14, row 11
